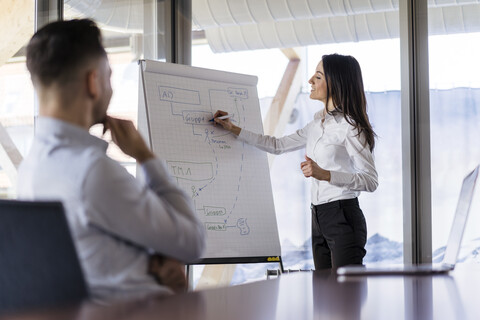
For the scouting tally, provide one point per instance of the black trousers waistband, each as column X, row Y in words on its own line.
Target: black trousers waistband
column 336, row 204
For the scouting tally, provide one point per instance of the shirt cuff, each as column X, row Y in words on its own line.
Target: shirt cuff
column 243, row 135
column 340, row 179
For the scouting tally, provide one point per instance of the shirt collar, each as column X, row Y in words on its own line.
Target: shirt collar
column 60, row 130
column 338, row 116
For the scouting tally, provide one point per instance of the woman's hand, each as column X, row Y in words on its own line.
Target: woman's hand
column 311, row 169
column 225, row 123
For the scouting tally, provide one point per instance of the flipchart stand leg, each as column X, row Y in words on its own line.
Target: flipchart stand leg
column 281, row 265
column 189, row 276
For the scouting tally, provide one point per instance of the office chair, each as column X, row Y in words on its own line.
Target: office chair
column 39, row 267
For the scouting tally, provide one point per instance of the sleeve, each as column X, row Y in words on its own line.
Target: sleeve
column 365, row 177
column 156, row 215
column 274, row 145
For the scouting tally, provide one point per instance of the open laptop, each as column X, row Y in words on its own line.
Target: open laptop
column 39, row 267
column 451, row 251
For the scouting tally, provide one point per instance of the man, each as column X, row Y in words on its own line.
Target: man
column 115, row 220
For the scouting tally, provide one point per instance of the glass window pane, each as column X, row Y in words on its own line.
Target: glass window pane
column 16, row 90
column 454, row 47
column 380, row 63
column 238, row 42
column 127, row 36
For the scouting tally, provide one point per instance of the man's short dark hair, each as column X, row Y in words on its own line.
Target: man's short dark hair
column 58, row 50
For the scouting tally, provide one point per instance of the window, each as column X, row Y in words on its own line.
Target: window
column 454, row 47
column 122, row 24
column 16, row 91
column 237, row 41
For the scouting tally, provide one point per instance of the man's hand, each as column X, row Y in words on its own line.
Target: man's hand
column 168, row 272
column 311, row 169
column 127, row 137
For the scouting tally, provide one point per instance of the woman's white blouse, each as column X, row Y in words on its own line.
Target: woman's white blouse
column 334, row 145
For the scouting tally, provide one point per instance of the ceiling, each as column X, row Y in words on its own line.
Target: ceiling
column 236, row 25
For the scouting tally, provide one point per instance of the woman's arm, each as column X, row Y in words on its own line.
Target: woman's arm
column 365, row 177
column 266, row 143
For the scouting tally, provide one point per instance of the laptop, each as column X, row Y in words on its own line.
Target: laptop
column 39, row 267
column 453, row 244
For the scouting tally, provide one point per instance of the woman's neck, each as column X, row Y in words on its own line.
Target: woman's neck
column 330, row 106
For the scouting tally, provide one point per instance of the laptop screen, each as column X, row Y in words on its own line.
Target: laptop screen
column 460, row 218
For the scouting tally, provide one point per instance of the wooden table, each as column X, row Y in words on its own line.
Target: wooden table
column 303, row 296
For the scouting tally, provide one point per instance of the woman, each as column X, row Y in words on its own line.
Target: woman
column 339, row 144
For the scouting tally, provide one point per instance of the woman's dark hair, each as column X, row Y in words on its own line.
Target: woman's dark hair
column 60, row 49
column 345, row 86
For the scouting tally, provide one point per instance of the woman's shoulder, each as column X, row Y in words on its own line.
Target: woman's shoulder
column 315, row 122
column 355, row 134
column 349, row 129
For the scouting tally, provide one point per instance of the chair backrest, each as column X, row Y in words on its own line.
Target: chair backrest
column 39, row 267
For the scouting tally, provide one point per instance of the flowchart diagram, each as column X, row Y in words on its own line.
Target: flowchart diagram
column 188, row 110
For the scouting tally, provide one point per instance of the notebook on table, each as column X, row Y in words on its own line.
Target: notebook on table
column 453, row 244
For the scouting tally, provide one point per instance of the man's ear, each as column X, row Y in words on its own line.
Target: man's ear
column 93, row 87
